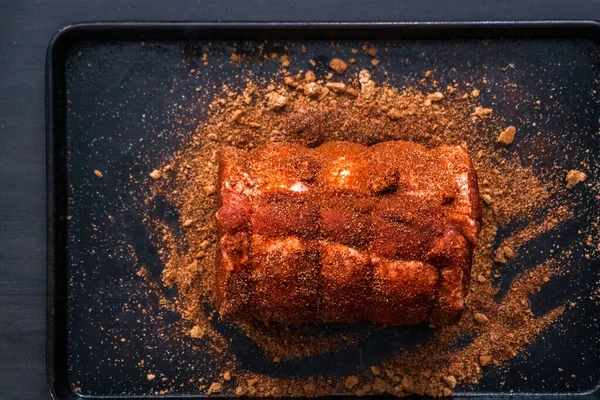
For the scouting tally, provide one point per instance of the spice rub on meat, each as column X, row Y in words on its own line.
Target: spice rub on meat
column 345, row 233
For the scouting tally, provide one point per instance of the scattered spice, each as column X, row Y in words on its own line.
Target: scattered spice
column 507, row 136
column 290, row 81
column 351, row 381
column 394, row 114
column 237, row 114
column 503, row 254
column 574, row 177
column 276, row 101
column 480, row 318
column 339, row 66
column 210, row 190
column 312, row 89
column 337, row 87
column 482, row 112
column 360, row 110
column 215, row 387
column 485, row 360
column 98, row 173
column 156, row 174
column 197, row 332
column 437, row 96
column 450, row 380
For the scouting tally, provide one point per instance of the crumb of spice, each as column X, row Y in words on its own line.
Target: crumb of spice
column 215, row 387
column 507, row 136
column 394, row 114
column 209, row 190
column 574, row 177
column 450, row 380
column 156, row 174
column 480, row 318
column 482, row 112
column 475, row 93
column 379, row 386
column 339, row 66
column 503, row 254
column 98, row 173
column 361, row 110
column 150, row 377
column 290, row 81
column 275, row 101
column 312, row 89
column 237, row 114
column 351, row 381
column 336, row 87
column 197, row 332
column 437, row 96
column 485, row 360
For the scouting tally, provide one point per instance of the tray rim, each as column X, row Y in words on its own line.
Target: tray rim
column 56, row 291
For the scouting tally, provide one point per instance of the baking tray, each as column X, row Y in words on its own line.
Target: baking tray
column 101, row 77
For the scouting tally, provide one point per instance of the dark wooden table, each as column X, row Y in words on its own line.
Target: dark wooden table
column 26, row 27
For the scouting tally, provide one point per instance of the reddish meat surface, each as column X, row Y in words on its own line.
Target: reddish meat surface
column 345, row 233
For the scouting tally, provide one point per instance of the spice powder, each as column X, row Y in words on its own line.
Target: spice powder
column 309, row 110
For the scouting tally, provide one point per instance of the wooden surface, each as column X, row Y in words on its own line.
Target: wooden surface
column 25, row 30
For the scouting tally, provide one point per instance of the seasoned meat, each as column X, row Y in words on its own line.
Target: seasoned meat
column 345, row 233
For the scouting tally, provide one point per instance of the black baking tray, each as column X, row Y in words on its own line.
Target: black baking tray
column 100, row 80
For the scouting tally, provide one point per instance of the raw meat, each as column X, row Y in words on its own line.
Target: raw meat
column 345, row 233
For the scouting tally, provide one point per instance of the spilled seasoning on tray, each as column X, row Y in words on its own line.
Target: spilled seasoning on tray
column 310, row 110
